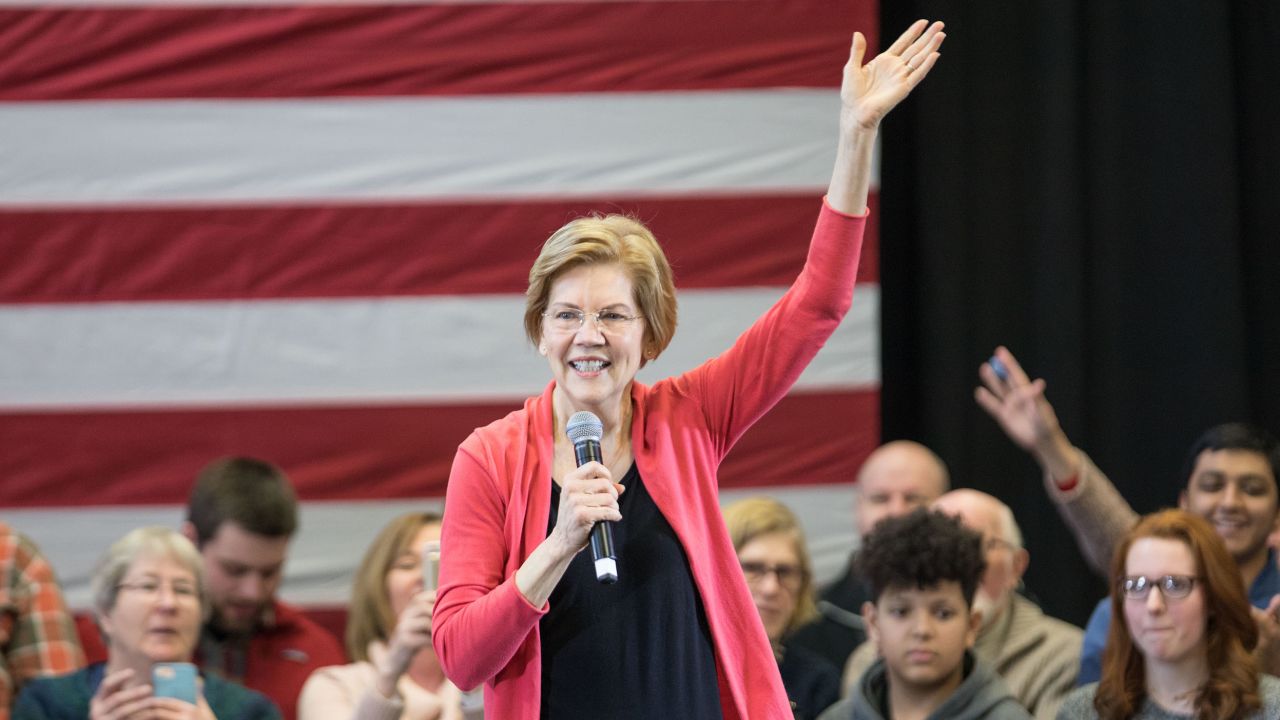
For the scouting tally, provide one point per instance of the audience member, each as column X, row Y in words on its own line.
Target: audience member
column 37, row 635
column 775, row 559
column 1037, row 656
column 896, row 478
column 148, row 597
column 241, row 515
column 396, row 675
column 1181, row 632
column 1230, row 474
column 923, row 569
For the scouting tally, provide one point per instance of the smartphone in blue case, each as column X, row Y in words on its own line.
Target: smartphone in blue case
column 174, row 680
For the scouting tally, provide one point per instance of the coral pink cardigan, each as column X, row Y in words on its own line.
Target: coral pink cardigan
column 499, row 495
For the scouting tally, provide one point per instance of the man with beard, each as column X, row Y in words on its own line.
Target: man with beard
column 1230, row 471
column 1036, row 655
column 241, row 515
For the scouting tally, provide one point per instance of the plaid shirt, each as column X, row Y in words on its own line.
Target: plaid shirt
column 37, row 635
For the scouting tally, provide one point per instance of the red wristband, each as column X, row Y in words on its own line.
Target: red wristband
column 1069, row 484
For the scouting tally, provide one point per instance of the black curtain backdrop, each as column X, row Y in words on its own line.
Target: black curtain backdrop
column 1094, row 185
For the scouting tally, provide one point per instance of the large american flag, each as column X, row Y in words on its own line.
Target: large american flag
column 302, row 232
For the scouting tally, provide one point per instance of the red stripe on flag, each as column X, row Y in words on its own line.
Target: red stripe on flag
column 74, row 459
column 63, row 53
column 252, row 252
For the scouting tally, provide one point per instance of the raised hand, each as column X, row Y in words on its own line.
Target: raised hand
column 867, row 93
column 870, row 91
column 1019, row 406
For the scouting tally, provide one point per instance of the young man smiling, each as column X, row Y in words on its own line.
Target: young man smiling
column 924, row 569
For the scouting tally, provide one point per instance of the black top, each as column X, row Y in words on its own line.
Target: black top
column 812, row 683
column 639, row 648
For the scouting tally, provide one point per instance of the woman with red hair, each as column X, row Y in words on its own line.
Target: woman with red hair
column 1182, row 634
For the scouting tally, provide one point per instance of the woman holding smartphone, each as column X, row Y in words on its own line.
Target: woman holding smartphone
column 396, row 674
column 148, row 595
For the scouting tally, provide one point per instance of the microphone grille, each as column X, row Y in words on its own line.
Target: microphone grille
column 584, row 426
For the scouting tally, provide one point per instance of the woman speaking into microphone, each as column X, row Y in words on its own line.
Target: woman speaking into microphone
column 519, row 607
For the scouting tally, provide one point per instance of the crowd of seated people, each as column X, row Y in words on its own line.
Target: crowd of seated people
column 941, row 629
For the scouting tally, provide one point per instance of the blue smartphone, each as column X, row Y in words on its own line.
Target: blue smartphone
column 174, row 680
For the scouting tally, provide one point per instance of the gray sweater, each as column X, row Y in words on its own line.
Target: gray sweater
column 982, row 695
column 1079, row 705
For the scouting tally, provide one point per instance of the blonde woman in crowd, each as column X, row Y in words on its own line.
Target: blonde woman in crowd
column 396, row 675
column 775, row 560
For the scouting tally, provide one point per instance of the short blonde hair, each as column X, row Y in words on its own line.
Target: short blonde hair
column 607, row 239
column 370, row 617
column 759, row 516
column 156, row 541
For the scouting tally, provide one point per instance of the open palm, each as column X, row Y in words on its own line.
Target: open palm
column 870, row 91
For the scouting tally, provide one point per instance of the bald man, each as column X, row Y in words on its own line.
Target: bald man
column 895, row 479
column 1038, row 656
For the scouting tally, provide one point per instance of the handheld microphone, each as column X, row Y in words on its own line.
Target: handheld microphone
column 585, row 430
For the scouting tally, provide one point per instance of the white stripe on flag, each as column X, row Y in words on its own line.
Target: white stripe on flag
column 322, row 561
column 437, row 349
column 197, row 151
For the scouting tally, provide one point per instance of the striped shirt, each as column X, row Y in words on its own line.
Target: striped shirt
column 37, row 635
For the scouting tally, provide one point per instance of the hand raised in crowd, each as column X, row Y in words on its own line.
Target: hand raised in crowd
column 1019, row 406
column 870, row 91
column 587, row 495
column 1268, row 648
column 412, row 633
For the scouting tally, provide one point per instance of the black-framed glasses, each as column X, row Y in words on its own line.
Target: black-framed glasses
column 1172, row 587
column 569, row 320
column 789, row 576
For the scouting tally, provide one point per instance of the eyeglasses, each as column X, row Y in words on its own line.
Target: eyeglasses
column 568, row 321
column 151, row 589
column 1172, row 587
column 789, row 576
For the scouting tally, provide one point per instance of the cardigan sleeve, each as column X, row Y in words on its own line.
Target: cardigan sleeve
column 736, row 388
column 481, row 617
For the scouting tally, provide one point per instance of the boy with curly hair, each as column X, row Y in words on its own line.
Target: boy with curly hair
column 923, row 569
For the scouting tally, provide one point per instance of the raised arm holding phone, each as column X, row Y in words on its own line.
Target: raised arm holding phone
column 1230, row 475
